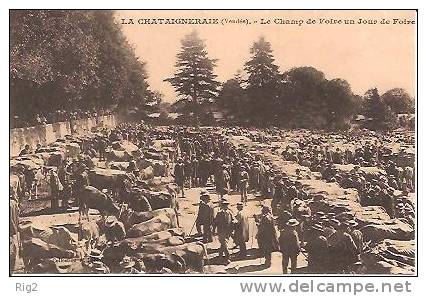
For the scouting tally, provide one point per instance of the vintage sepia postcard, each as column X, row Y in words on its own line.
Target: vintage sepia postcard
column 213, row 142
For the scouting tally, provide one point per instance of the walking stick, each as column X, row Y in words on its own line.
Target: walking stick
column 192, row 227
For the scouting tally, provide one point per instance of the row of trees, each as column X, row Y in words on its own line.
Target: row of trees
column 262, row 95
column 68, row 59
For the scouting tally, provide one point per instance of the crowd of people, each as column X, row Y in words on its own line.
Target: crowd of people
column 203, row 158
column 331, row 245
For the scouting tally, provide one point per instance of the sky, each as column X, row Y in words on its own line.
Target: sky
column 366, row 55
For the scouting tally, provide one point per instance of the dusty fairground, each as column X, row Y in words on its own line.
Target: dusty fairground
column 252, row 264
column 393, row 236
column 188, row 207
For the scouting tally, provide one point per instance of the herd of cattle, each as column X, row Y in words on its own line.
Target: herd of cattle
column 377, row 190
column 135, row 228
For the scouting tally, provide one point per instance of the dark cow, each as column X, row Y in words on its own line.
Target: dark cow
column 51, row 266
column 160, row 263
column 92, row 198
column 191, row 253
column 159, row 200
column 35, row 250
column 138, row 201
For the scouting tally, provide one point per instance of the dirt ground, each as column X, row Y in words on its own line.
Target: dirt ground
column 188, row 207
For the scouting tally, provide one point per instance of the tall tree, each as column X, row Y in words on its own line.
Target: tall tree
column 194, row 79
column 262, row 83
column 341, row 103
column 399, row 101
column 66, row 59
column 231, row 98
column 380, row 116
column 302, row 98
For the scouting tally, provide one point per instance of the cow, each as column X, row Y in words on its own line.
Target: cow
column 89, row 232
column 393, row 229
column 106, row 178
column 160, row 200
column 52, row 266
column 118, row 155
column 162, row 263
column 158, row 223
column 129, row 217
column 137, row 200
column 389, row 257
column 191, row 253
column 92, row 198
column 160, row 169
column 55, row 235
column 34, row 250
column 157, row 237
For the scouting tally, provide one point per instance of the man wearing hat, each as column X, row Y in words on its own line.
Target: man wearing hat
column 289, row 245
column 279, row 196
column 99, row 267
column 205, row 217
column 266, row 236
column 179, row 175
column 133, row 170
column 222, row 181
column 114, row 229
column 223, row 223
column 81, row 179
column 243, row 184
column 241, row 229
column 343, row 250
column 55, row 189
column 328, row 224
column 127, row 266
column 317, row 249
column 95, row 255
column 356, row 235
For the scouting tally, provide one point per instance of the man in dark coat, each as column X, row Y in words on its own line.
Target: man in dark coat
column 243, row 184
column 267, row 237
column 102, row 147
column 317, row 249
column 222, row 181
column 289, row 245
column 343, row 250
column 203, row 170
column 356, row 235
column 55, row 189
column 241, row 229
column 64, row 177
column 188, row 171
column 279, row 196
column 224, row 225
column 205, row 217
column 179, row 175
